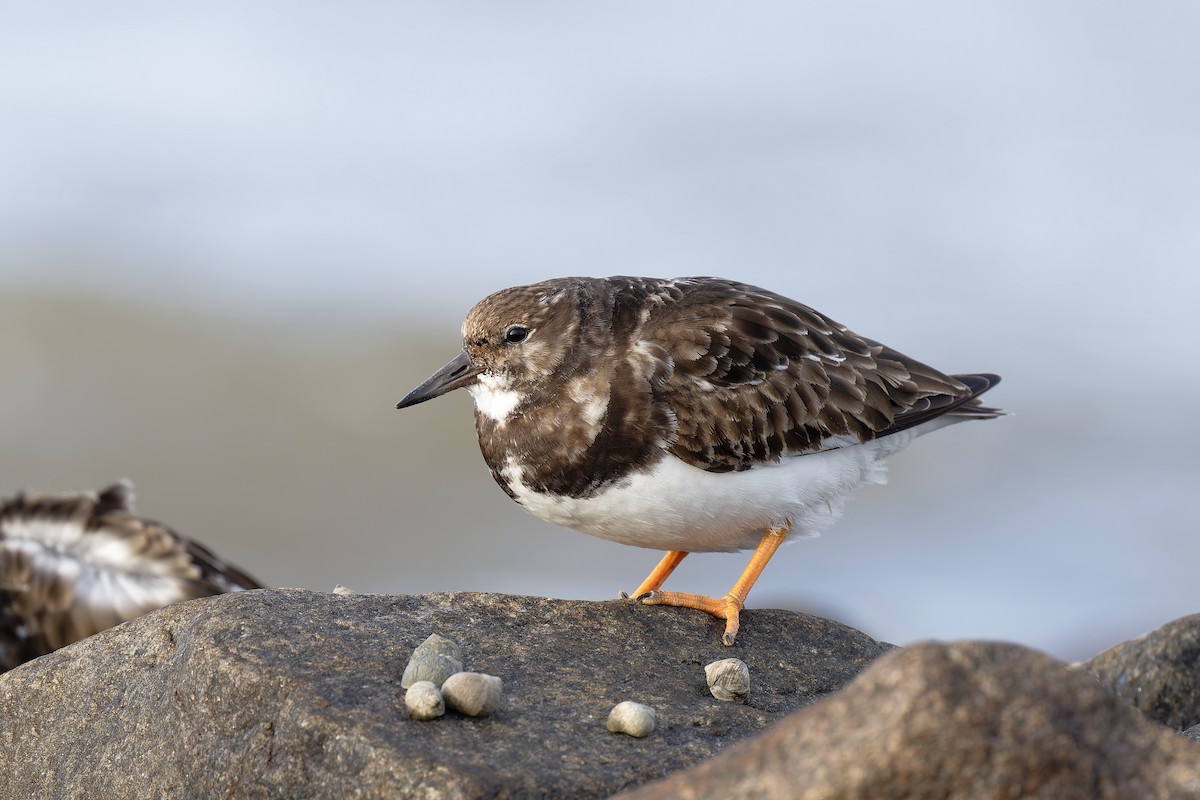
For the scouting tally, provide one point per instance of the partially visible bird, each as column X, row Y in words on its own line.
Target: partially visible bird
column 76, row 563
column 691, row 414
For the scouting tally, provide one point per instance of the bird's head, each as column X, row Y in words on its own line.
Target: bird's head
column 516, row 342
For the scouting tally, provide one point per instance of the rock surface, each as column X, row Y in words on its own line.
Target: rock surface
column 975, row 720
column 295, row 694
column 1158, row 673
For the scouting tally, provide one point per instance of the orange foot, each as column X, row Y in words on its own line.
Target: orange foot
column 729, row 607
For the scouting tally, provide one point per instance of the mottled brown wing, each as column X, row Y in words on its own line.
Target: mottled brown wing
column 73, row 564
column 216, row 575
column 755, row 375
column 158, row 544
column 15, row 645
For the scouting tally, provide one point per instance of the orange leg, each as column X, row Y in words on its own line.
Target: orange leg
column 663, row 571
column 730, row 606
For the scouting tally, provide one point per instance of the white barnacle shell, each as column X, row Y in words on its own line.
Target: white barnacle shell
column 339, row 589
column 431, row 667
column 424, row 701
column 634, row 719
column 442, row 647
column 472, row 693
column 728, row 679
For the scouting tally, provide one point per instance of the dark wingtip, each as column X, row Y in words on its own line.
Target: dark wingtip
column 978, row 382
column 115, row 498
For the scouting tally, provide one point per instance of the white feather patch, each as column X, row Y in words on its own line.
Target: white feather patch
column 592, row 404
column 493, row 398
column 675, row 506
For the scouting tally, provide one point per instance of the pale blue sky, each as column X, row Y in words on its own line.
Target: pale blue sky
column 266, row 155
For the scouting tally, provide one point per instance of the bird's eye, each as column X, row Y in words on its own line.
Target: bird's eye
column 515, row 333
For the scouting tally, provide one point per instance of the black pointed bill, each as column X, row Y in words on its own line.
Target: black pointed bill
column 458, row 373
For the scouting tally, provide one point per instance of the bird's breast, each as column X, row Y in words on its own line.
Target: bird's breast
column 583, row 439
column 672, row 505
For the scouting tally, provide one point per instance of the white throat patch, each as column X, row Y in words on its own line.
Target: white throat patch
column 493, row 398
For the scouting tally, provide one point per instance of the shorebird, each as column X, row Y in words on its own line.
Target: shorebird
column 685, row 415
column 75, row 563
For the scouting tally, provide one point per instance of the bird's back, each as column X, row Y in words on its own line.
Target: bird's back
column 751, row 376
column 73, row 564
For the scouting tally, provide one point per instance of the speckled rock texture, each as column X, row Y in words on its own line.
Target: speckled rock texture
column 296, row 694
column 965, row 720
column 1159, row 673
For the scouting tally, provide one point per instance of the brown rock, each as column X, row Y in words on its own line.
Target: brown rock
column 1158, row 673
column 969, row 720
column 294, row 694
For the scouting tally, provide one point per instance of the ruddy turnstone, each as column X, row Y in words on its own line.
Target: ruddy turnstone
column 688, row 415
column 74, row 564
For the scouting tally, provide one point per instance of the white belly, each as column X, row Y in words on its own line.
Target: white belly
column 675, row 506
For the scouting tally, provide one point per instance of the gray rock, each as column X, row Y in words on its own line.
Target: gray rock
column 728, row 679
column 632, row 718
column 442, row 646
column 1159, row 672
column 431, row 667
column 294, row 694
column 947, row 721
column 473, row 693
column 424, row 701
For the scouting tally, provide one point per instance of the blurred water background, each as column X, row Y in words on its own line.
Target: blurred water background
column 233, row 235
